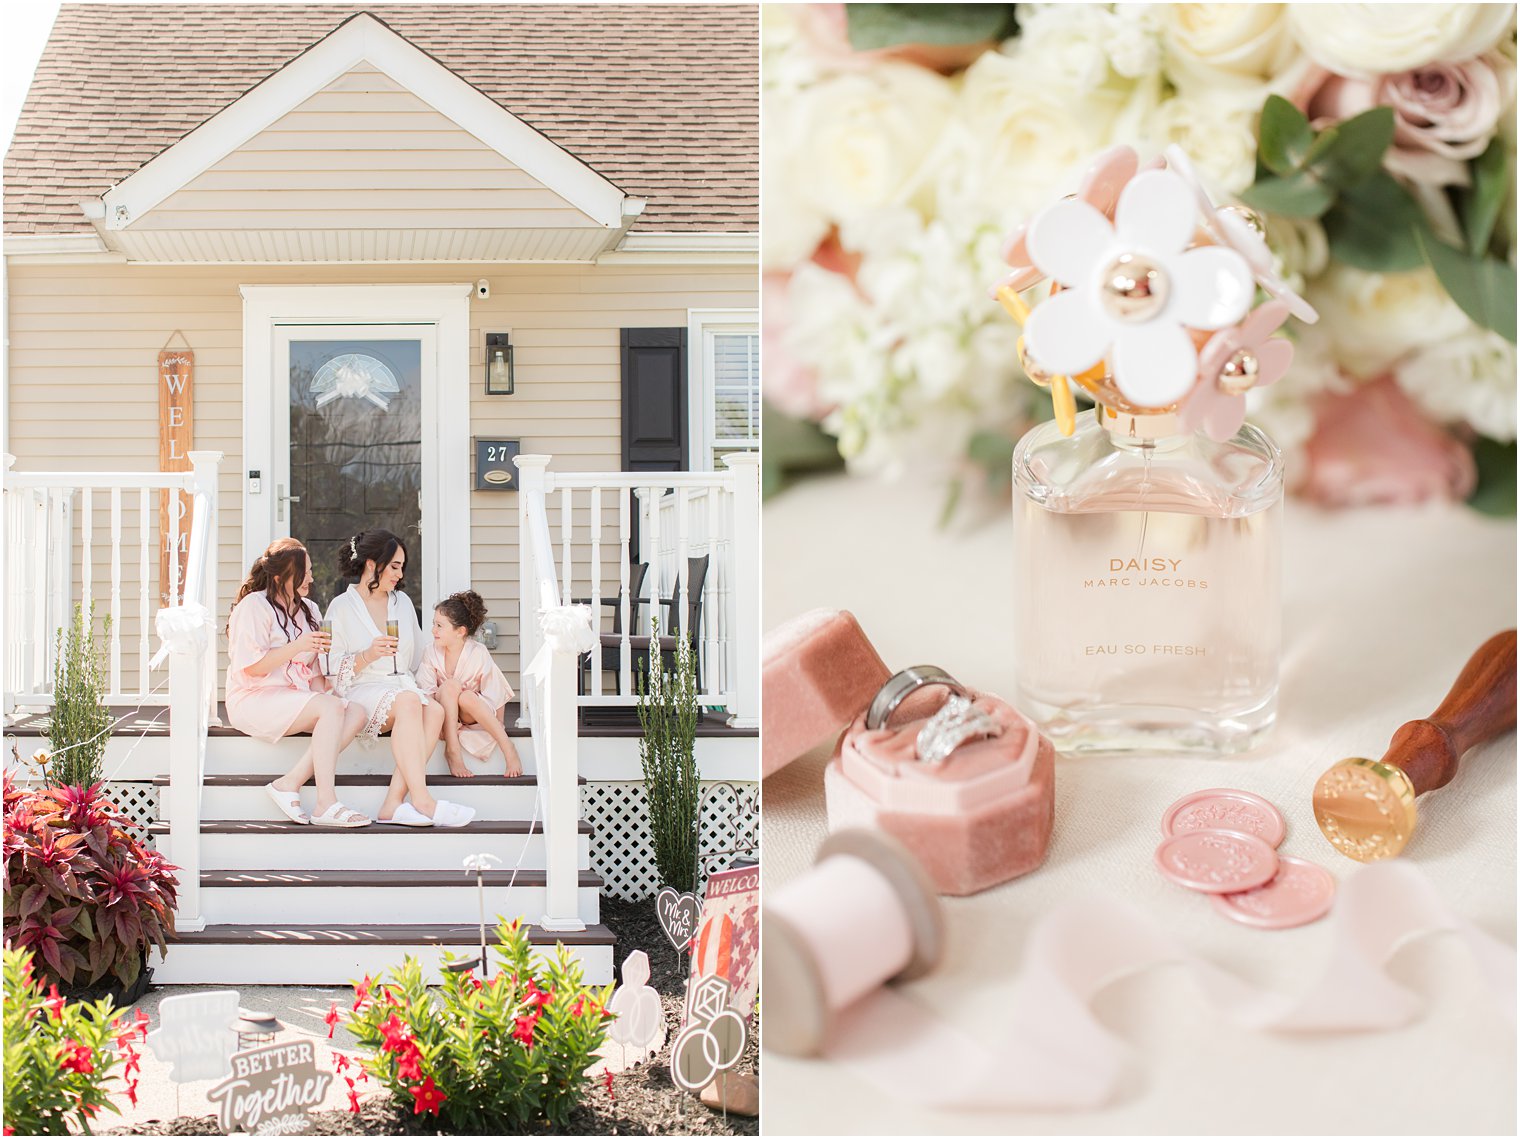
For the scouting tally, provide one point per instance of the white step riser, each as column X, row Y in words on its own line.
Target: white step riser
column 357, row 905
column 230, row 803
column 295, row 964
column 239, row 755
column 375, row 848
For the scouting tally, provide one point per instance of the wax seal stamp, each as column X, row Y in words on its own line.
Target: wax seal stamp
column 1224, row 809
column 1300, row 892
column 1216, row 862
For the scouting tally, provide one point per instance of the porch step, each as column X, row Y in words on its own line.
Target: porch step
column 432, row 896
column 257, row 844
column 241, row 796
column 335, row 954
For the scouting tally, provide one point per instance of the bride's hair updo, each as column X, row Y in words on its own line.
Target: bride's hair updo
column 378, row 546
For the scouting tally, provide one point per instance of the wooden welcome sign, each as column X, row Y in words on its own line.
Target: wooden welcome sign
column 176, row 435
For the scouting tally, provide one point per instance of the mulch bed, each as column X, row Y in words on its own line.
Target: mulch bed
column 644, row 1100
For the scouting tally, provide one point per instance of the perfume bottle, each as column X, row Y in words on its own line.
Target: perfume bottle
column 1148, row 565
column 1147, row 529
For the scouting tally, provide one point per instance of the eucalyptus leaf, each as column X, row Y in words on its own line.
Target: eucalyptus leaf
column 1352, row 151
column 1484, row 288
column 874, row 26
column 1495, row 492
column 1285, row 136
column 1372, row 226
column 1296, row 196
column 1481, row 202
column 793, row 447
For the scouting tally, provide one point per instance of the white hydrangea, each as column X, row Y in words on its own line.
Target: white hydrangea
column 1468, row 378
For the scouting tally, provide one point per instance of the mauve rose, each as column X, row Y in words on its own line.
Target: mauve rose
column 1444, row 113
column 1373, row 447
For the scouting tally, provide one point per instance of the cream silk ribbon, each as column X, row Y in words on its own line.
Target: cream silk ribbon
column 1054, row 1054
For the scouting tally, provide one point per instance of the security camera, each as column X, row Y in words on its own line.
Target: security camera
column 482, row 289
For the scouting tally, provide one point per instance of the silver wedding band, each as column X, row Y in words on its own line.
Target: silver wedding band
column 957, row 722
column 898, row 688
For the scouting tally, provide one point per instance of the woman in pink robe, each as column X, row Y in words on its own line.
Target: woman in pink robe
column 458, row 671
column 275, row 689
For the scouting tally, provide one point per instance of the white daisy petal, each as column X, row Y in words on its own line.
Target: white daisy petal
column 1067, row 240
column 1211, row 287
column 1157, row 213
column 1155, row 364
column 1065, row 335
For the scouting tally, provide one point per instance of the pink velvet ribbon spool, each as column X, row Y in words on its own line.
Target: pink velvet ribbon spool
column 865, row 915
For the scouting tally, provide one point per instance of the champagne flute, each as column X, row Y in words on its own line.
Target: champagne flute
column 325, row 626
column 393, row 630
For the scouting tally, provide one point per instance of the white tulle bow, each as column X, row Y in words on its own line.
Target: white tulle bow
column 182, row 629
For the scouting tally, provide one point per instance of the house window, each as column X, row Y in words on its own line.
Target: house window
column 724, row 372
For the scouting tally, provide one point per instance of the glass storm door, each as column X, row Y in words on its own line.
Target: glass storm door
column 352, row 400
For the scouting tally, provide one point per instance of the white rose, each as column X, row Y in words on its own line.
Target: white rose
column 1376, row 39
column 1066, row 44
column 1208, row 45
column 791, row 221
column 1374, row 319
column 1218, row 132
column 860, row 140
column 1018, row 141
column 1468, row 378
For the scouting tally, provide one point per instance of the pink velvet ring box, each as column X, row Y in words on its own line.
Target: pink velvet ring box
column 820, row 671
column 981, row 817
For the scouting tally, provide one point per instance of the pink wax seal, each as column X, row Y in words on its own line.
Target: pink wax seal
column 1216, row 862
column 1224, row 809
column 1300, row 893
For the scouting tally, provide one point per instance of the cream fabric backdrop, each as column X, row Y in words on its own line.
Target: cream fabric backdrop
column 1381, row 609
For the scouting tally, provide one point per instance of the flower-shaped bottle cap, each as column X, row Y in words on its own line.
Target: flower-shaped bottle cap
column 1133, row 288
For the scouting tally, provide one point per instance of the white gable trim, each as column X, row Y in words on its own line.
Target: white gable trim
column 364, row 39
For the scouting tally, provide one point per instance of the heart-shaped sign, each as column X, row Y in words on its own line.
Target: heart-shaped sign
column 678, row 914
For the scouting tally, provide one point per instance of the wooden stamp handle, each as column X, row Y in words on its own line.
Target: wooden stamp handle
column 1480, row 706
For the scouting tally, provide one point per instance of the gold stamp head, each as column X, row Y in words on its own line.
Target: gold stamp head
column 1365, row 808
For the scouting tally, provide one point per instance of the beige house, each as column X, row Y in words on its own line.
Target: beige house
column 318, row 267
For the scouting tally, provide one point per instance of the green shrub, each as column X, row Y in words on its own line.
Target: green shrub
column 80, row 891
column 81, row 721
column 487, row 1058
column 59, row 1056
column 669, row 712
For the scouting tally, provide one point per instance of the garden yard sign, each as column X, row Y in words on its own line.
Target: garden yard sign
column 270, row 1090
column 195, row 1036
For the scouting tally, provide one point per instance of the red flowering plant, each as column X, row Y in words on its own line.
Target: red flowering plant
column 484, row 1057
column 80, row 891
column 60, row 1054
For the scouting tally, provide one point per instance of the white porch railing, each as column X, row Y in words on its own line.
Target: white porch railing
column 52, row 542
column 681, row 516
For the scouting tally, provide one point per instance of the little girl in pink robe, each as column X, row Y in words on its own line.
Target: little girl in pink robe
column 458, row 671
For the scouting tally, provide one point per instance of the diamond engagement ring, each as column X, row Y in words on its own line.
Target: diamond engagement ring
column 957, row 722
column 899, row 687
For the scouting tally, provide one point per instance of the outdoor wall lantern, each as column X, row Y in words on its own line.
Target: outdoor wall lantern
column 500, row 379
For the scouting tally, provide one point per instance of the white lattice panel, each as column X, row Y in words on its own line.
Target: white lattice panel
column 621, row 850
column 137, row 801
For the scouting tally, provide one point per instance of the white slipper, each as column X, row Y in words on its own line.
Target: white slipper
column 407, row 816
column 447, row 814
column 340, row 816
column 289, row 803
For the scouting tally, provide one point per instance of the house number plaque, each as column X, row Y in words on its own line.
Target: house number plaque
column 493, row 463
column 176, row 435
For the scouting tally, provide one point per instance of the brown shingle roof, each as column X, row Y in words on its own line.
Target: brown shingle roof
column 663, row 100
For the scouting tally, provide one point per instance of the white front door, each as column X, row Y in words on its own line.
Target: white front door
column 347, row 417
column 356, row 421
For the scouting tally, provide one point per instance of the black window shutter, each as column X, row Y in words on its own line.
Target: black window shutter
column 654, row 399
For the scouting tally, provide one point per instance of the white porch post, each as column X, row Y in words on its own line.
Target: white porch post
column 11, row 673
column 187, row 676
column 558, row 779
column 745, row 710
column 531, row 477
column 206, row 466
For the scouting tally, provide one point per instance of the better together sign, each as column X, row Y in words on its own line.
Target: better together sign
column 270, row 1089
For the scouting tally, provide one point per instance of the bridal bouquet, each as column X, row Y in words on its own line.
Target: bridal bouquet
column 1376, row 142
